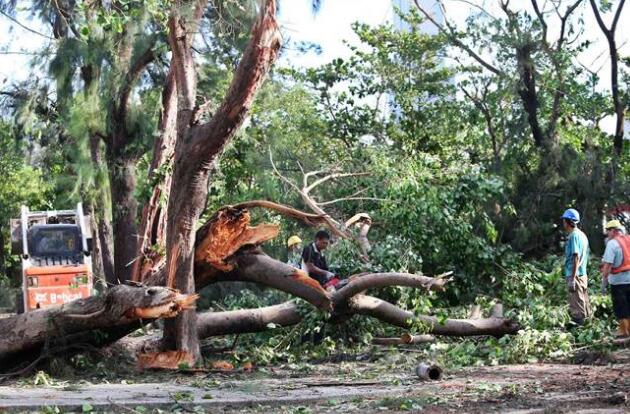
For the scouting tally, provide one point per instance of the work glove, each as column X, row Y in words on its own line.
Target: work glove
column 571, row 284
column 604, row 285
column 329, row 275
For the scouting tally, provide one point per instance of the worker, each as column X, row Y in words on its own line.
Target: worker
column 616, row 273
column 576, row 253
column 294, row 247
column 314, row 261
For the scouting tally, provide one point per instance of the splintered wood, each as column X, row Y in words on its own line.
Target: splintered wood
column 302, row 277
column 226, row 233
column 165, row 360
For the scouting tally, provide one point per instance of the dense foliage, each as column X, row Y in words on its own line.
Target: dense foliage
column 458, row 178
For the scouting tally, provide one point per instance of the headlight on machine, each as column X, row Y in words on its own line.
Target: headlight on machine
column 80, row 280
column 33, row 281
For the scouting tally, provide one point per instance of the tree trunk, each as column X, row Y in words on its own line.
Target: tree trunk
column 105, row 243
column 122, row 179
column 30, row 332
column 528, row 92
column 3, row 263
column 98, row 272
column 152, row 241
column 185, row 205
column 102, row 237
column 198, row 146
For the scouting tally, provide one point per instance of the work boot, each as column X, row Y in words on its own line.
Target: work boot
column 623, row 330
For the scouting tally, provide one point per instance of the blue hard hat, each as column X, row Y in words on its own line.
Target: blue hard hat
column 571, row 214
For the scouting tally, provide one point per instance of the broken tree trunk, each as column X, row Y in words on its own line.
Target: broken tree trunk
column 198, row 146
column 30, row 332
column 226, row 251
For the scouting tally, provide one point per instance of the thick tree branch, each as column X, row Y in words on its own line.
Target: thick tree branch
column 152, row 229
column 386, row 312
column 309, row 219
column 180, row 36
column 210, row 138
column 286, row 314
column 364, row 282
column 211, row 324
column 130, row 79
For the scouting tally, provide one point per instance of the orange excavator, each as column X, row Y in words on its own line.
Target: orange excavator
column 55, row 250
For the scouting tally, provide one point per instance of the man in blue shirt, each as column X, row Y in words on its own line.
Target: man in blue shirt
column 576, row 258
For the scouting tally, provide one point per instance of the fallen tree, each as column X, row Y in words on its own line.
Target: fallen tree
column 227, row 250
column 85, row 320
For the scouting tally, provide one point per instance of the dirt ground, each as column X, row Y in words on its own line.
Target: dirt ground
column 352, row 387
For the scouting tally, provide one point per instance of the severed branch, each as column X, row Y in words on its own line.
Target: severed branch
column 287, row 314
column 364, row 282
column 405, row 339
column 309, row 219
column 339, row 228
column 386, row 312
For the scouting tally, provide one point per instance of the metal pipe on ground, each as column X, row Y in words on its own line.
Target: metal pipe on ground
column 429, row 371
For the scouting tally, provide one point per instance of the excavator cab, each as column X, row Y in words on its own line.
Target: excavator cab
column 55, row 249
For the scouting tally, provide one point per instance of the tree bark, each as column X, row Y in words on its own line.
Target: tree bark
column 3, row 263
column 152, row 231
column 618, row 105
column 386, row 312
column 102, row 237
column 198, row 146
column 211, row 324
column 37, row 330
column 122, row 179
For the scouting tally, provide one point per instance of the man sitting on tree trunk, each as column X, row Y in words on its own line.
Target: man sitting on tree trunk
column 314, row 261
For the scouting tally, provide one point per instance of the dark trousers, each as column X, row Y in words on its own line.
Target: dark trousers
column 621, row 300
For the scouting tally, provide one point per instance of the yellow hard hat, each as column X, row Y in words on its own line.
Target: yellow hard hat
column 293, row 240
column 613, row 224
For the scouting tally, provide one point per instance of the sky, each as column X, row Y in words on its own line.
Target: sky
column 331, row 26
